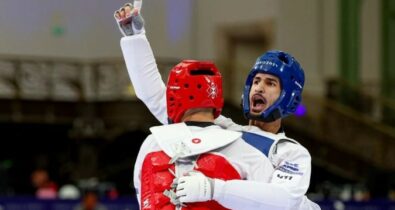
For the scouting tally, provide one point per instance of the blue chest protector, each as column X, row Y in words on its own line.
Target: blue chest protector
column 261, row 143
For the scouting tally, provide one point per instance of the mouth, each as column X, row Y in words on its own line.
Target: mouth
column 258, row 103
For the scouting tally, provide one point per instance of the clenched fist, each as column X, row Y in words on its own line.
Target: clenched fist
column 194, row 187
column 129, row 19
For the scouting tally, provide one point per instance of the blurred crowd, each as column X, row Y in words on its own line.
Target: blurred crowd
column 88, row 191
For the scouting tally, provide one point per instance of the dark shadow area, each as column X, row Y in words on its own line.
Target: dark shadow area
column 27, row 147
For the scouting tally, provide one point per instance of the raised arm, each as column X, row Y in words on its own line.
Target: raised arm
column 144, row 74
column 141, row 64
column 140, row 60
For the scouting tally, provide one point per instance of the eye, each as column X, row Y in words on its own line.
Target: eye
column 271, row 83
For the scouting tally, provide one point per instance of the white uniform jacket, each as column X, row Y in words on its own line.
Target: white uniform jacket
column 175, row 139
column 291, row 161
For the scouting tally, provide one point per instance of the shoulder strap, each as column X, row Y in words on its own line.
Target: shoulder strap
column 260, row 142
column 177, row 140
column 170, row 137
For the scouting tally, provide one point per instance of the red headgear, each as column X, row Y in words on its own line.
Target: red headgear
column 193, row 84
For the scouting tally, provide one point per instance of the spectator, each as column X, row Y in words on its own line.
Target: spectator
column 90, row 201
column 45, row 187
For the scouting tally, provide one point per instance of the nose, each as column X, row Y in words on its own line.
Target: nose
column 260, row 88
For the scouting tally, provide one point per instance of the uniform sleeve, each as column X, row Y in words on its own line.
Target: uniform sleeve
column 292, row 164
column 285, row 190
column 255, row 190
column 144, row 74
column 252, row 195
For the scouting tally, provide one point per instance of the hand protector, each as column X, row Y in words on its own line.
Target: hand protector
column 129, row 19
column 194, row 187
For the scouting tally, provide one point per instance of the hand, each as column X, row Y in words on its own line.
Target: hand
column 194, row 187
column 129, row 19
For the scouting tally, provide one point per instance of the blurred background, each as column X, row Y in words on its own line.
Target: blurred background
column 71, row 126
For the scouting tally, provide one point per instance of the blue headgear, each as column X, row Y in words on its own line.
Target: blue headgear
column 291, row 76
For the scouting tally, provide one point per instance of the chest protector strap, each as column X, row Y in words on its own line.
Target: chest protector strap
column 156, row 177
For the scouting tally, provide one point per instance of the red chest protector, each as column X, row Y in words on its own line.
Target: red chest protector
column 156, row 178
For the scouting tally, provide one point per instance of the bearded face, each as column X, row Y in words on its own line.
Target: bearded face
column 265, row 90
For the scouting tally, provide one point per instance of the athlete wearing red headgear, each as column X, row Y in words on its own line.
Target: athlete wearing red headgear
column 272, row 91
column 193, row 84
column 192, row 146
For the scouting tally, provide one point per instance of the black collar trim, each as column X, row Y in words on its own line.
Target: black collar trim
column 199, row 124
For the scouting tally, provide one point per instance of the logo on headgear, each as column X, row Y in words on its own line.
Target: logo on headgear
column 260, row 64
column 212, row 90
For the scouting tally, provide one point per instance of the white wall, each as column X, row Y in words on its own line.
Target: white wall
column 300, row 33
column 329, row 38
column 26, row 28
column 305, row 28
column 213, row 14
column 308, row 29
column 169, row 26
column 370, row 45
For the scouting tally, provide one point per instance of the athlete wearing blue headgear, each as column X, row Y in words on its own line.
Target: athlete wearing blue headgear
column 288, row 77
column 272, row 91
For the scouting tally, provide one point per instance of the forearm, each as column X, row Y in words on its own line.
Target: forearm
column 242, row 194
column 144, row 74
column 286, row 189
